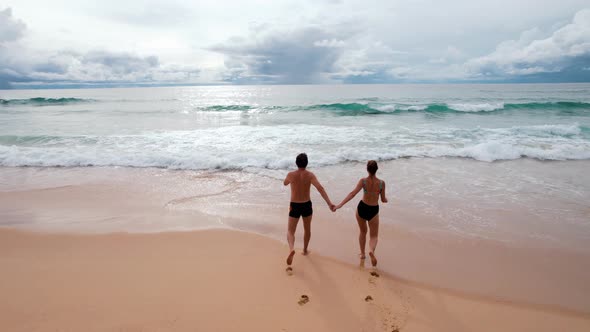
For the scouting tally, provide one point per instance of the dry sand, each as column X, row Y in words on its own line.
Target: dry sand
column 218, row 280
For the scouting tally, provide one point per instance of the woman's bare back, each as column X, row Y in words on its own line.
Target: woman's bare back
column 372, row 189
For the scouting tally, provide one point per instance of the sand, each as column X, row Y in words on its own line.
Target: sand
column 220, row 280
column 117, row 249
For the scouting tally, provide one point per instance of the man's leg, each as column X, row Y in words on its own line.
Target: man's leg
column 291, row 238
column 306, row 233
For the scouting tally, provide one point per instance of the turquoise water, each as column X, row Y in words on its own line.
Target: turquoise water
column 240, row 127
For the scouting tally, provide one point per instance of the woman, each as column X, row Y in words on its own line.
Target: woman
column 368, row 208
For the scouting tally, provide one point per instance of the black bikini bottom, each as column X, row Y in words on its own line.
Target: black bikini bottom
column 367, row 212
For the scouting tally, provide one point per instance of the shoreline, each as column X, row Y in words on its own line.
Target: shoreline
column 173, row 281
column 412, row 246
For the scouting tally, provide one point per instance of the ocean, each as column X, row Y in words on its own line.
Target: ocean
column 488, row 185
column 263, row 127
column 503, row 162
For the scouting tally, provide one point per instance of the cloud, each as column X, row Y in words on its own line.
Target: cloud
column 369, row 61
column 327, row 41
column 11, row 29
column 20, row 66
column 102, row 67
column 337, row 53
column 95, row 67
column 565, row 51
column 284, row 56
column 150, row 13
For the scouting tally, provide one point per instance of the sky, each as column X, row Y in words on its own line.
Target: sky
column 85, row 43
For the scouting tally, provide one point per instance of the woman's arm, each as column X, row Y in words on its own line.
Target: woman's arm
column 383, row 197
column 353, row 193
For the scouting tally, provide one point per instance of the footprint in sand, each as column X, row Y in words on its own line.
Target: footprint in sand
column 373, row 277
column 369, row 298
column 389, row 320
column 303, row 299
column 289, row 271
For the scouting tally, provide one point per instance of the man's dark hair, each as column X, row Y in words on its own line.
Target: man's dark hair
column 372, row 167
column 301, row 160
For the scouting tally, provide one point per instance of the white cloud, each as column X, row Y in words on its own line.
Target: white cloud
column 11, row 29
column 23, row 66
column 290, row 41
column 528, row 55
column 329, row 43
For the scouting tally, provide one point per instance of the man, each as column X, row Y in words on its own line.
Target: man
column 300, row 206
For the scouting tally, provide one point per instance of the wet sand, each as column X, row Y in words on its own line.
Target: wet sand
column 220, row 280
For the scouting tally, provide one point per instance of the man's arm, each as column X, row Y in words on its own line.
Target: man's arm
column 287, row 179
column 321, row 190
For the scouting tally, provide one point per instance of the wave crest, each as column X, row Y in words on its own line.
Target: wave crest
column 243, row 147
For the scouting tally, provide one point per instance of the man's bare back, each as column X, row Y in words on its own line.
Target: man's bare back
column 301, row 206
column 300, row 181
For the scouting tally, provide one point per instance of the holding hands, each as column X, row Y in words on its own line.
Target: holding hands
column 335, row 207
column 371, row 194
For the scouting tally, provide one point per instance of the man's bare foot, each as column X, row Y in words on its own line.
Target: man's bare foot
column 290, row 258
column 289, row 271
column 373, row 258
column 362, row 256
column 305, row 252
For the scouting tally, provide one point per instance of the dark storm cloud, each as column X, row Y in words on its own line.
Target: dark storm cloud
column 305, row 55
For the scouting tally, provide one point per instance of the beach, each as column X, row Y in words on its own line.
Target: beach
column 219, row 280
column 106, row 249
column 156, row 209
column 154, row 155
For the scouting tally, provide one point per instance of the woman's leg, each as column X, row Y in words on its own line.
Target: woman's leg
column 373, row 235
column 362, row 233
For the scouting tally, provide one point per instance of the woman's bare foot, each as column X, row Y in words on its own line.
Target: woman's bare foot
column 362, row 256
column 373, row 258
column 305, row 252
column 290, row 258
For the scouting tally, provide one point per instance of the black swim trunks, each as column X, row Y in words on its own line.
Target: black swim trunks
column 297, row 210
column 367, row 212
